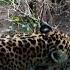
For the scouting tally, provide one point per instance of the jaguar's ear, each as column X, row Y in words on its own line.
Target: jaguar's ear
column 45, row 27
column 59, row 56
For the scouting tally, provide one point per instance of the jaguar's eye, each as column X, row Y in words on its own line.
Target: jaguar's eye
column 59, row 56
column 45, row 28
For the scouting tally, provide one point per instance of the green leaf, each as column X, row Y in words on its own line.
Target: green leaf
column 16, row 19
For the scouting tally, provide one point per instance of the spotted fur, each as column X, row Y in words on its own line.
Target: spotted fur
column 19, row 52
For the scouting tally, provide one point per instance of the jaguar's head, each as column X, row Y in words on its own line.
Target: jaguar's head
column 58, row 43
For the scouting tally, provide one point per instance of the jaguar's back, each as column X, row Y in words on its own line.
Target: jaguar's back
column 25, row 52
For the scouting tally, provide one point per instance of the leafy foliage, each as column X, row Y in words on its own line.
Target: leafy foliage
column 5, row 2
column 16, row 19
column 26, row 24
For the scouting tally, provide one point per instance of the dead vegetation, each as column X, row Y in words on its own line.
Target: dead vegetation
column 55, row 12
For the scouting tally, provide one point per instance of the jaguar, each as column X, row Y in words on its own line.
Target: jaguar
column 49, row 47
